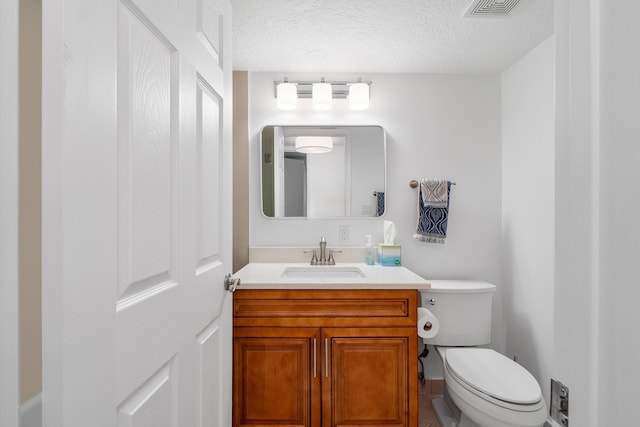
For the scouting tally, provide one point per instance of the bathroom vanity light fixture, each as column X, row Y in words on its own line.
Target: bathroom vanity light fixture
column 322, row 93
column 359, row 96
column 314, row 144
column 287, row 95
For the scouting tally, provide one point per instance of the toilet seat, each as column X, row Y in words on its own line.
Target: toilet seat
column 486, row 409
column 494, row 378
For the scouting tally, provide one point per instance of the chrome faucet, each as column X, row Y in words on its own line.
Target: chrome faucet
column 322, row 260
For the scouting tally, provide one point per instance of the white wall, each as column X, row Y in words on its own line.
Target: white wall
column 440, row 126
column 528, row 209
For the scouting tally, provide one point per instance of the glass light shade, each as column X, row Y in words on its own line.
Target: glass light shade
column 322, row 96
column 314, row 144
column 359, row 96
column 287, row 96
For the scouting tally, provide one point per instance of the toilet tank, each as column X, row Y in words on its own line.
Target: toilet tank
column 463, row 309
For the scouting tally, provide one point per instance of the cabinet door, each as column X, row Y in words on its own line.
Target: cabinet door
column 368, row 377
column 276, row 377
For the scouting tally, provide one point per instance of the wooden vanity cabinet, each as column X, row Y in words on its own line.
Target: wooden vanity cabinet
column 325, row 358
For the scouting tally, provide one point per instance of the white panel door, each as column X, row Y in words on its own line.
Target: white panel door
column 137, row 213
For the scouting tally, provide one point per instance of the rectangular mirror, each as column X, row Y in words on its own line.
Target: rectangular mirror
column 323, row 171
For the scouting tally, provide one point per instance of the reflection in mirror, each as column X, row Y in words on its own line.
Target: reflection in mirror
column 344, row 178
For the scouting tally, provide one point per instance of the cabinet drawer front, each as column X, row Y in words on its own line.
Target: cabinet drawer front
column 349, row 306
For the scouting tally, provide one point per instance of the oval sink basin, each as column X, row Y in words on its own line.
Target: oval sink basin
column 322, row 272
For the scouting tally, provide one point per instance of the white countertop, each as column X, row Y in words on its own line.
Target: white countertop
column 270, row 276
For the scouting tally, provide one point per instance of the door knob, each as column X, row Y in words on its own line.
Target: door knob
column 230, row 284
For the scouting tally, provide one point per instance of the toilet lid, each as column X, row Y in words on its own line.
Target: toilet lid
column 493, row 374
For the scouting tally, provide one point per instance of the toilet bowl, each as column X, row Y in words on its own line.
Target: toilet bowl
column 490, row 390
column 483, row 388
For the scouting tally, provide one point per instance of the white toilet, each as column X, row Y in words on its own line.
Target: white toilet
column 482, row 387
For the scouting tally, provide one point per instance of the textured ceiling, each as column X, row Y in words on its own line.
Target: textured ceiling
column 395, row 36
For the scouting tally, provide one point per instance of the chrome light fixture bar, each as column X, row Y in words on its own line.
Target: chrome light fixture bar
column 356, row 91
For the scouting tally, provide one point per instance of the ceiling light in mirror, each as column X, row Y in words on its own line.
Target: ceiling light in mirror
column 314, row 144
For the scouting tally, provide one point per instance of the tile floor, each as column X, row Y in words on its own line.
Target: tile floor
column 427, row 418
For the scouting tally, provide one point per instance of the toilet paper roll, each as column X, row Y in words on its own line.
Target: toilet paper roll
column 428, row 324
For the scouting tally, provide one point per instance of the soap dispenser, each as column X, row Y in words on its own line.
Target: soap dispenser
column 369, row 254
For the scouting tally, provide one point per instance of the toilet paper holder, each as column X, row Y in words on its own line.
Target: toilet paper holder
column 428, row 324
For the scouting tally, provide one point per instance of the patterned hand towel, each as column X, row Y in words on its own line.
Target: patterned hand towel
column 379, row 203
column 433, row 210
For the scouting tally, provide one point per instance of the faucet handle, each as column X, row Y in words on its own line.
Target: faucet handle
column 331, row 260
column 314, row 256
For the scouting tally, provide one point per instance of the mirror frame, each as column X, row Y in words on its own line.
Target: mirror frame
column 260, row 172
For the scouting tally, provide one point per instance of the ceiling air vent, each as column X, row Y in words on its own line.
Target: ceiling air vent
column 493, row 8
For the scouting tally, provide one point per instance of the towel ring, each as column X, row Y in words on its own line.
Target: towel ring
column 414, row 183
